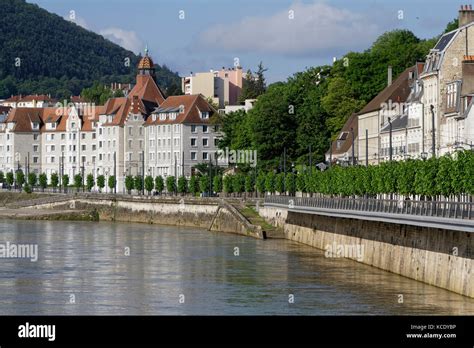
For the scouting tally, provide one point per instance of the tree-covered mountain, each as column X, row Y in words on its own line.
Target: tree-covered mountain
column 41, row 52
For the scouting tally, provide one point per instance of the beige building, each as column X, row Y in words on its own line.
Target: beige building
column 445, row 88
column 223, row 86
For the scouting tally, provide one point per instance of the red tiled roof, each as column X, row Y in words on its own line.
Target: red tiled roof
column 190, row 105
column 147, row 89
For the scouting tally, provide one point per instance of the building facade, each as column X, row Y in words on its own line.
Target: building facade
column 140, row 134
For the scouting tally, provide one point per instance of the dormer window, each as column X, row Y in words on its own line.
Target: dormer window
column 35, row 125
column 109, row 118
column 154, row 117
column 162, row 116
column 53, row 125
column 204, row 115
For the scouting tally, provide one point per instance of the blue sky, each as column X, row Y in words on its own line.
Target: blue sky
column 215, row 32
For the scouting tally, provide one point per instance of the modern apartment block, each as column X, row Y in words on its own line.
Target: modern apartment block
column 143, row 133
column 222, row 86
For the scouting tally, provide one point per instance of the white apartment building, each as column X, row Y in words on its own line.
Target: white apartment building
column 141, row 134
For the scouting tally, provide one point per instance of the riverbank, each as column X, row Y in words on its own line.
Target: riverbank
column 437, row 256
column 210, row 213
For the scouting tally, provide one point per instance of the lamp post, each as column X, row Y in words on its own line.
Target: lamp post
column 433, row 142
column 390, row 139
column 424, row 156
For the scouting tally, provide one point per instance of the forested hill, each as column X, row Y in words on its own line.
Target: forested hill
column 57, row 56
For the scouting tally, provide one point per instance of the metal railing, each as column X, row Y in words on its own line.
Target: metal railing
column 441, row 209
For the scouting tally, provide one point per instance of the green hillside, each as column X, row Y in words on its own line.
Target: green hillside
column 59, row 57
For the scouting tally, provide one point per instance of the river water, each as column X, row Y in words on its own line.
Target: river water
column 138, row 269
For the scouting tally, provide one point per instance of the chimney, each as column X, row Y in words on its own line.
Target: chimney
column 389, row 76
column 466, row 15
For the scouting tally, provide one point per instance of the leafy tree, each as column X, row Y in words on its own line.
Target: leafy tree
column 90, row 182
column 20, row 178
column 194, row 184
column 270, row 181
column 10, row 179
column 238, row 183
column 78, row 181
column 65, row 182
column 260, row 184
column 227, row 184
column 2, row 177
column 101, row 182
column 112, row 182
column 43, row 181
column 32, row 179
column 204, row 184
column 249, row 182
column 171, row 184
column 290, row 183
column 54, row 180
column 138, row 183
column 129, row 184
column 149, row 185
column 280, row 183
column 159, row 184
column 217, row 183
column 182, row 184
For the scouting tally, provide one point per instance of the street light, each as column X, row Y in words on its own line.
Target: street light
column 424, row 156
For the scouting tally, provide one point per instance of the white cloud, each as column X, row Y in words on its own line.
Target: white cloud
column 124, row 38
column 78, row 20
column 315, row 29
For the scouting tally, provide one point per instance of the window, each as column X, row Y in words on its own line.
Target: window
column 63, row 148
column 93, row 135
column 83, row 147
column 193, row 155
column 204, row 114
column 140, row 130
column 205, row 156
column 35, row 136
column 94, row 147
column 35, row 159
column 216, row 142
column 83, row 159
column 193, row 142
column 130, row 131
column 205, row 142
column 52, row 159
column 205, row 129
column 193, row 129
column 53, row 148
column 452, row 95
column 35, row 148
column 129, row 144
column 141, row 144
column 73, row 125
column 63, row 136
column 52, row 136
column 93, row 159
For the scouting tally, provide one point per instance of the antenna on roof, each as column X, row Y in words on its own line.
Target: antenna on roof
column 146, row 50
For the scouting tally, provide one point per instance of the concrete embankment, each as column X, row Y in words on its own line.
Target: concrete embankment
column 440, row 257
column 210, row 213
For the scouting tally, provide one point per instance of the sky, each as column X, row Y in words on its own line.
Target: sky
column 286, row 35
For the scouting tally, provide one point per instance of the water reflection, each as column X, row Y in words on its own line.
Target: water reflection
column 89, row 261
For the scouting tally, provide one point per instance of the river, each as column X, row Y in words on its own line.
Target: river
column 138, row 269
